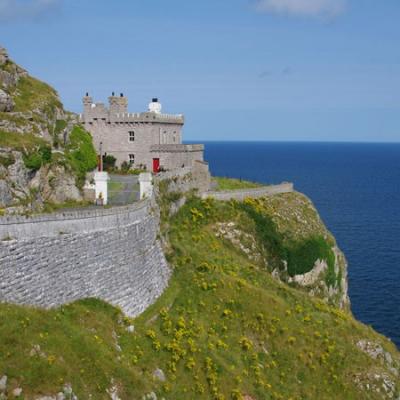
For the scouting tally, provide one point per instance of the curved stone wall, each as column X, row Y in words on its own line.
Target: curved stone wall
column 111, row 254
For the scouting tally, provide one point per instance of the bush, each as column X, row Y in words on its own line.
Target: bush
column 300, row 255
column 81, row 154
column 109, row 162
column 41, row 157
column 303, row 255
column 125, row 166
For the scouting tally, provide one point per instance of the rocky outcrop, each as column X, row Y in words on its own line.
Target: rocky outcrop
column 3, row 56
column 56, row 185
column 33, row 117
column 6, row 102
column 314, row 280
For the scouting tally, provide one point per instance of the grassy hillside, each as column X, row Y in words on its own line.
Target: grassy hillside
column 224, row 329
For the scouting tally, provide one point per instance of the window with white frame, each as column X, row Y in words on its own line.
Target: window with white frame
column 131, row 136
column 131, row 159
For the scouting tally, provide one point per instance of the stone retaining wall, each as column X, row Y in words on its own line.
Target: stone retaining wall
column 112, row 254
column 241, row 194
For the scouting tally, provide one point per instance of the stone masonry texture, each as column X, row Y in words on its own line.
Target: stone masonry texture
column 110, row 254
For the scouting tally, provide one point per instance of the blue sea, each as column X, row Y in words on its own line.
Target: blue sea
column 356, row 188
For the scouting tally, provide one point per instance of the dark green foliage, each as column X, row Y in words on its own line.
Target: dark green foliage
column 300, row 255
column 303, row 255
column 38, row 158
column 109, row 162
column 125, row 166
column 61, row 124
column 81, row 153
column 267, row 233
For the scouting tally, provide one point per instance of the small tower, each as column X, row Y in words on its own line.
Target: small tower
column 87, row 104
column 155, row 106
column 118, row 104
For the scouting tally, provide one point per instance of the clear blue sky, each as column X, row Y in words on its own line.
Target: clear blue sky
column 238, row 69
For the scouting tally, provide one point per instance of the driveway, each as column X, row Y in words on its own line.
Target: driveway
column 123, row 189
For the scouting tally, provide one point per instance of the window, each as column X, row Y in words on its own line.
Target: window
column 131, row 136
column 131, row 159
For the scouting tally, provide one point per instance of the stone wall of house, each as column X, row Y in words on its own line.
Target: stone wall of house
column 176, row 156
column 196, row 177
column 111, row 254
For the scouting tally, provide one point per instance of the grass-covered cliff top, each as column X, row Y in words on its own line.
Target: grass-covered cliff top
column 224, row 328
column 223, row 183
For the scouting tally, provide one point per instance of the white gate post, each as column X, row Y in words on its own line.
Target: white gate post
column 146, row 186
column 101, row 187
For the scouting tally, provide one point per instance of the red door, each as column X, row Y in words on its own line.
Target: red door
column 156, row 165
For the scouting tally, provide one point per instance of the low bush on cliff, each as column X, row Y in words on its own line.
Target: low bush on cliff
column 36, row 151
column 81, row 154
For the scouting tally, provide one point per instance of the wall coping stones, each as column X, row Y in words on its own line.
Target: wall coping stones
column 241, row 194
column 72, row 221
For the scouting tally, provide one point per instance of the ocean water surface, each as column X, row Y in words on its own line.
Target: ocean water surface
column 356, row 189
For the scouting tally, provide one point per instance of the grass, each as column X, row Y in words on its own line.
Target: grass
column 26, row 143
column 31, row 94
column 234, row 184
column 223, row 329
column 50, row 207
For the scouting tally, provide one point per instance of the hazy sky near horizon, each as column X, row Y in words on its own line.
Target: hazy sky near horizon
column 238, row 69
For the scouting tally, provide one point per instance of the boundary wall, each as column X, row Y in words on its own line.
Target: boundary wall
column 111, row 254
column 241, row 194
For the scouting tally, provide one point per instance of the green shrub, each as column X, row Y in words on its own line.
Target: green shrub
column 303, row 255
column 300, row 255
column 109, row 162
column 38, row 158
column 267, row 233
column 125, row 166
column 81, row 154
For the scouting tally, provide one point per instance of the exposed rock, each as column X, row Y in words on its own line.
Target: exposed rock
column 113, row 392
column 130, row 329
column 376, row 383
column 19, row 175
column 242, row 240
column 3, row 56
column 159, row 375
column 56, row 185
column 6, row 102
column 6, row 198
column 150, row 396
column 377, row 352
column 17, row 392
column 36, row 351
column 311, row 277
column 3, row 383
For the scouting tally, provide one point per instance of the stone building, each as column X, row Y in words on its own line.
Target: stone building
column 148, row 139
